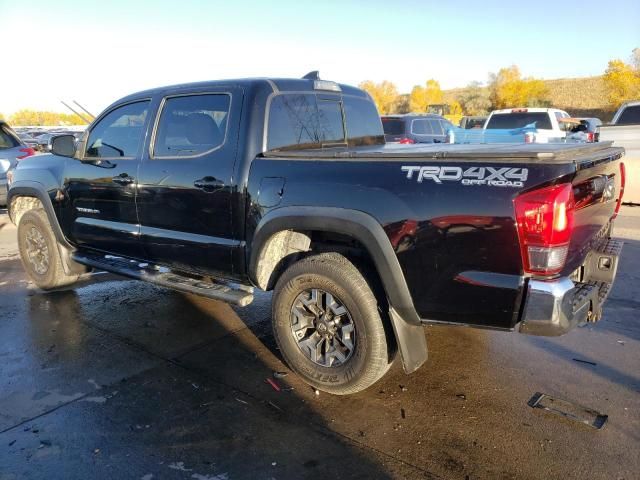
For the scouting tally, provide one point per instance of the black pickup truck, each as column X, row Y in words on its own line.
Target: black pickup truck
column 217, row 188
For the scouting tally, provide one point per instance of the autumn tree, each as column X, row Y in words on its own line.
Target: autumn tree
column 508, row 89
column 622, row 81
column 475, row 99
column 421, row 97
column 33, row 117
column 384, row 95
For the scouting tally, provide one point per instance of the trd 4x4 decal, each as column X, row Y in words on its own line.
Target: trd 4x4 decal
column 492, row 176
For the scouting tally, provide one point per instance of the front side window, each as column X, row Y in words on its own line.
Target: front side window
column 421, row 127
column 191, row 125
column 119, row 133
column 437, row 127
column 298, row 121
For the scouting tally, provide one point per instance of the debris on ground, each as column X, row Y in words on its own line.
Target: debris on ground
column 280, row 374
column 403, row 414
column 585, row 361
column 317, row 392
column 273, row 384
column 568, row 410
column 403, row 388
column 461, row 396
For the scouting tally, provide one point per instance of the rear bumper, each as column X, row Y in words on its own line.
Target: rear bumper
column 555, row 307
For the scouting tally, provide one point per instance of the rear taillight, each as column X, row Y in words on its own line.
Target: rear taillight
column 591, row 137
column 407, row 141
column 545, row 222
column 529, row 137
column 28, row 151
column 623, row 180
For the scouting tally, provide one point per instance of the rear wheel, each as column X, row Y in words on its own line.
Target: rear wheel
column 39, row 251
column 328, row 326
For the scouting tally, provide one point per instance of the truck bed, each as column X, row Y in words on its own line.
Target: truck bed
column 502, row 153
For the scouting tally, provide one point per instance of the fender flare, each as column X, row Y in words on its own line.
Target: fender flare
column 30, row 188
column 364, row 228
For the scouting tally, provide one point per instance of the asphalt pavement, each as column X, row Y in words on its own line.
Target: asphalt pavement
column 121, row 379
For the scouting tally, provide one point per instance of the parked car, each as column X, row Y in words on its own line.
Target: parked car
column 544, row 120
column 470, row 122
column 12, row 150
column 624, row 131
column 415, row 128
column 217, row 188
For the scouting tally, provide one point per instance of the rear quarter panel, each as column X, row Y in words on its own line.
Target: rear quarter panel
column 456, row 244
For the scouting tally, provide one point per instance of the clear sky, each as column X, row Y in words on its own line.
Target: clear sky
column 97, row 51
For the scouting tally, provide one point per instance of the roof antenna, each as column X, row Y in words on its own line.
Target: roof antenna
column 315, row 75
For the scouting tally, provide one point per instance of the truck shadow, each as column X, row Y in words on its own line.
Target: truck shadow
column 204, row 405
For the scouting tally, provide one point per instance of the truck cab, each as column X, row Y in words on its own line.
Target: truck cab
column 546, row 121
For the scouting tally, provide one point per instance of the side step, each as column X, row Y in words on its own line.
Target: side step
column 235, row 294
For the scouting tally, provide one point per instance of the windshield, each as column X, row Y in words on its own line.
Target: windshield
column 519, row 119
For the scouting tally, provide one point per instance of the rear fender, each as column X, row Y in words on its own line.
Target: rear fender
column 407, row 327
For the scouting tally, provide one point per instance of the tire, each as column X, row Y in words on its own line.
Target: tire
column 344, row 312
column 39, row 252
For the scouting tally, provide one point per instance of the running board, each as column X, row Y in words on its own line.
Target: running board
column 234, row 294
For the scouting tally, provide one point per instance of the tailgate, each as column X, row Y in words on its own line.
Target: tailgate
column 598, row 188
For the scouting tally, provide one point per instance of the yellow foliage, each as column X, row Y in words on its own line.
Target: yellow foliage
column 32, row 117
column 421, row 97
column 384, row 94
column 508, row 89
column 622, row 82
column 455, row 108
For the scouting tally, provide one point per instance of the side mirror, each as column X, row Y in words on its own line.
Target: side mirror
column 63, row 145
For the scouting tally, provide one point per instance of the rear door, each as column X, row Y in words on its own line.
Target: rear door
column 101, row 187
column 186, row 181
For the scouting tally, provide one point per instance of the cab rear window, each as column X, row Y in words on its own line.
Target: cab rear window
column 309, row 120
column 519, row 120
column 630, row 116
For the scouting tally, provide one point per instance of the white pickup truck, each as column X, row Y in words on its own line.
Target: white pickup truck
column 546, row 121
column 624, row 131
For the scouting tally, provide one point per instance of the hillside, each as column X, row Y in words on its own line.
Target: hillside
column 581, row 97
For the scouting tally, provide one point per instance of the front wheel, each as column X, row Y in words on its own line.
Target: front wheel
column 328, row 327
column 39, row 251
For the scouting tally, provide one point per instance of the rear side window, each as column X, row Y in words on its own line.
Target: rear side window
column 519, row 120
column 7, row 140
column 421, row 127
column 363, row 122
column 630, row 116
column 191, row 125
column 119, row 133
column 437, row 127
column 393, row 126
column 302, row 121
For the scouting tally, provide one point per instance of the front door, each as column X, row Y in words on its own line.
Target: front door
column 186, row 182
column 101, row 186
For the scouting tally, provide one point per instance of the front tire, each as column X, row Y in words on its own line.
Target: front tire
column 328, row 326
column 39, row 252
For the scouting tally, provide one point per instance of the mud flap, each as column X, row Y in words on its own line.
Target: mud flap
column 411, row 340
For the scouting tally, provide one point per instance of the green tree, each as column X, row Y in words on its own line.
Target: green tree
column 384, row 94
column 622, row 82
column 508, row 89
column 475, row 99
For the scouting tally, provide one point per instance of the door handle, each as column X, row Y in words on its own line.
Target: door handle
column 123, row 179
column 209, row 184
